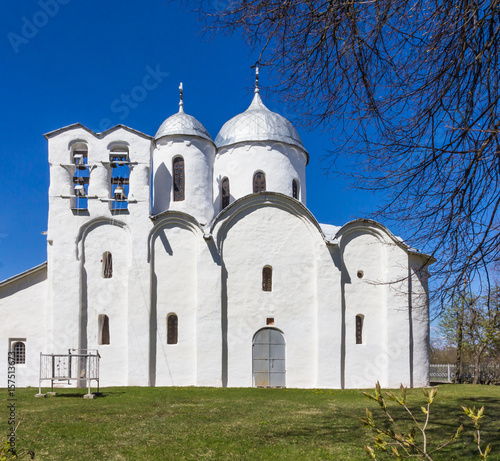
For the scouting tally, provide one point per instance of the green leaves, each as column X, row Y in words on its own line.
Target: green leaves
column 474, row 415
column 399, row 444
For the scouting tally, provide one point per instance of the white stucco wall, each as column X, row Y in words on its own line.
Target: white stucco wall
column 420, row 319
column 175, row 250
column 365, row 363
column 67, row 233
column 198, row 155
column 267, row 235
column 280, row 162
column 106, row 296
column 23, row 307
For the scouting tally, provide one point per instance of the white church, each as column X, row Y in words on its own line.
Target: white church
column 192, row 262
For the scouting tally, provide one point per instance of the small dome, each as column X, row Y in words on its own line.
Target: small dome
column 258, row 123
column 182, row 124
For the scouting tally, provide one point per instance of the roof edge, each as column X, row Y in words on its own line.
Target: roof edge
column 53, row 133
column 246, row 141
column 33, row 270
column 397, row 240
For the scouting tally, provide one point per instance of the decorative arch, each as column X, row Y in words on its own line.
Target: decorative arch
column 170, row 218
column 91, row 225
column 249, row 203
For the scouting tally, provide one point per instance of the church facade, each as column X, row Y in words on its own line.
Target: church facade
column 187, row 261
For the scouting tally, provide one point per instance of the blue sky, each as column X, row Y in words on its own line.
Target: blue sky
column 68, row 61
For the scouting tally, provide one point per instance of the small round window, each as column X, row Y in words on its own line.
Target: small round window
column 361, row 274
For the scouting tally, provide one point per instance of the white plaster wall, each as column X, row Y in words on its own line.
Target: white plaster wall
column 67, row 229
column 420, row 319
column 254, row 238
column 175, row 254
column 107, row 296
column 208, row 316
column 198, row 155
column 280, row 162
column 329, row 298
column 398, row 317
column 23, row 307
column 366, row 363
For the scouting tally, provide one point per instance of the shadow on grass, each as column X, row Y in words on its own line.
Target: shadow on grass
column 98, row 395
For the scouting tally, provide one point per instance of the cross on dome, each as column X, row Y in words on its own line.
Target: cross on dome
column 181, row 100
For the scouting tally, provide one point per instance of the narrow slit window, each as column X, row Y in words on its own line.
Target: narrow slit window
column 19, row 350
column 295, row 189
column 172, row 329
column 259, row 182
column 225, row 192
column 267, row 278
column 103, row 329
column 107, row 265
column 179, row 180
column 359, row 329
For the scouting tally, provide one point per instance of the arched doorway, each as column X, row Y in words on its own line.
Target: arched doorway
column 268, row 357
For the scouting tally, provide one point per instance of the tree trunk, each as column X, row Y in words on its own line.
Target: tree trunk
column 460, row 327
column 477, row 361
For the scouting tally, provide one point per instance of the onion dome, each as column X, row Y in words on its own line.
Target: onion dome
column 182, row 124
column 258, row 123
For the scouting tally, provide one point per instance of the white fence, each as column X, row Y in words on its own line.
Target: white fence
column 445, row 373
column 442, row 373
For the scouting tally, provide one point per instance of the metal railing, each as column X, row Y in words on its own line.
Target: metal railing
column 76, row 365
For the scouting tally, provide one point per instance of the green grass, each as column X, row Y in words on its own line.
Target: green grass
column 131, row 423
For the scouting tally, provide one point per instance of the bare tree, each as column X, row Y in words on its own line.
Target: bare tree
column 472, row 324
column 410, row 90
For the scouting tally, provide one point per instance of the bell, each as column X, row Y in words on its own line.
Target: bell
column 79, row 161
column 79, row 190
column 119, row 193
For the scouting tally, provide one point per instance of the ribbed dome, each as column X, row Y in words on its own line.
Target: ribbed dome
column 182, row 124
column 258, row 123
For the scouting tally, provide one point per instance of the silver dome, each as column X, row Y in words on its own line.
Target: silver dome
column 182, row 124
column 258, row 123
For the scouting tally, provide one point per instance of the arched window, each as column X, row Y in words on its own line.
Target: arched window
column 107, row 265
column 172, row 329
column 259, row 182
column 225, row 193
column 359, row 329
column 120, row 176
column 295, row 189
column 267, row 278
column 179, row 184
column 19, row 350
column 81, row 176
column 103, row 329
